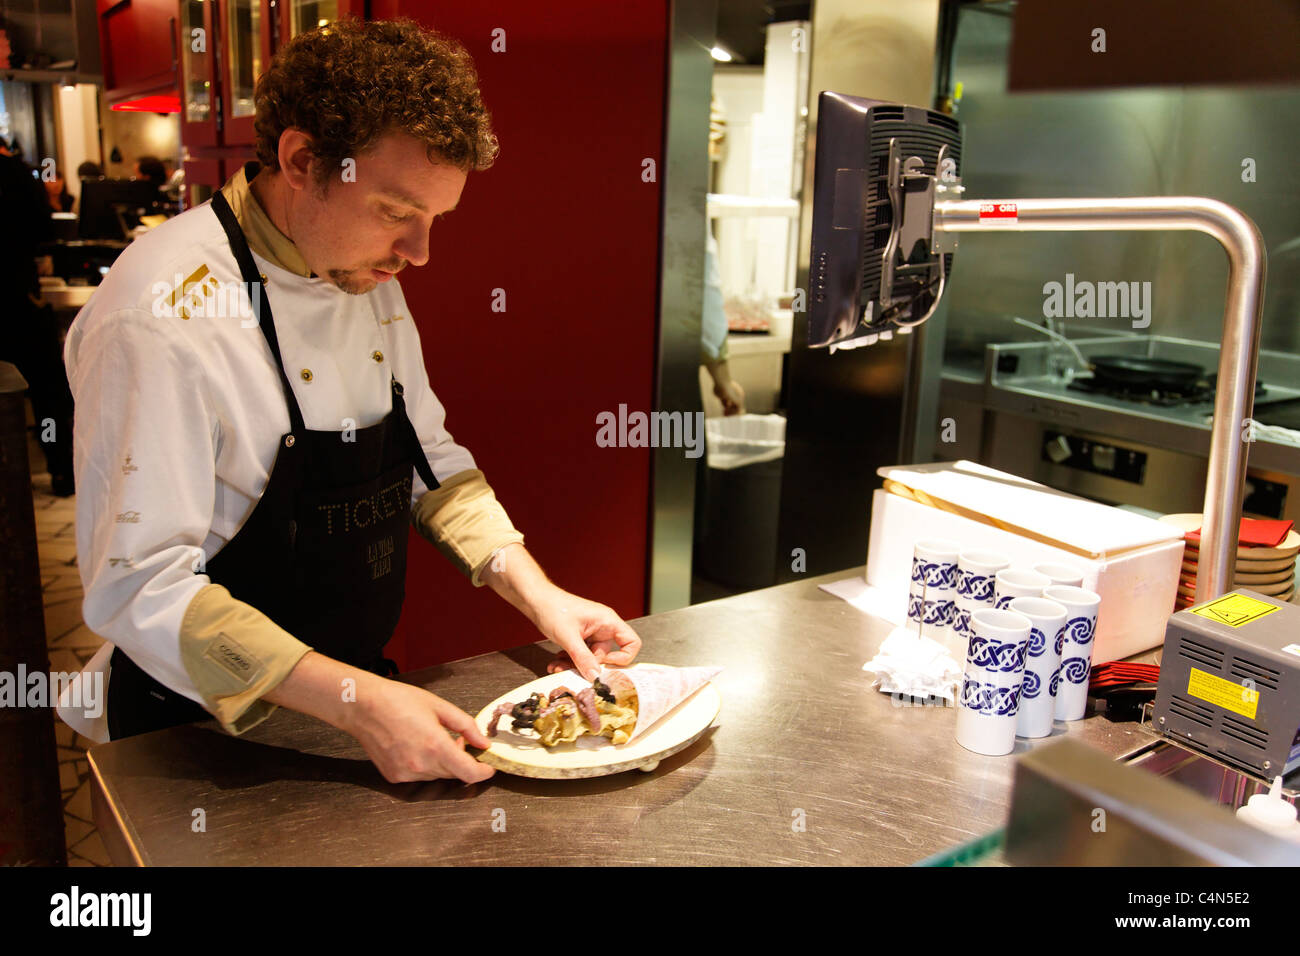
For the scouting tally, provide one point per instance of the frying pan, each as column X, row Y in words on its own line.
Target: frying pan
column 1126, row 371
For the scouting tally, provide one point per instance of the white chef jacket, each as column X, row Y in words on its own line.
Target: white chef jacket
column 178, row 419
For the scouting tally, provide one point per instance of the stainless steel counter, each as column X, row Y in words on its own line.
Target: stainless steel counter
column 806, row 765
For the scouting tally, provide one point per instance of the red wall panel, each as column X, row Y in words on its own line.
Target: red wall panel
column 564, row 223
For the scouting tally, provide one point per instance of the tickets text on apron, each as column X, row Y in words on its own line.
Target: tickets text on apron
column 323, row 553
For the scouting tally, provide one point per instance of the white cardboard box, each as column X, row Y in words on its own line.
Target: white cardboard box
column 1137, row 585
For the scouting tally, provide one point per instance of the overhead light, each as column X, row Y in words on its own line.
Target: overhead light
column 721, row 55
column 162, row 103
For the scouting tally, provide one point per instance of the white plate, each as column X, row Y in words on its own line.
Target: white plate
column 520, row 753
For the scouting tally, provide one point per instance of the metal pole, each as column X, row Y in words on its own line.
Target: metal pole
column 1234, row 397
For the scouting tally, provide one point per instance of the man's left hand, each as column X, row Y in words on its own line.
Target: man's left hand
column 591, row 635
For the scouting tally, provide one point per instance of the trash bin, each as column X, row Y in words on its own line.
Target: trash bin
column 736, row 540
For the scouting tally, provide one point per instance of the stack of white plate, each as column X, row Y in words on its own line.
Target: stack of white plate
column 1269, row 571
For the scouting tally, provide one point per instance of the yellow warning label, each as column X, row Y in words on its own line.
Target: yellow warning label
column 1238, row 698
column 1235, row 610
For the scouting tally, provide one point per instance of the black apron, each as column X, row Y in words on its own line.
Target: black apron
column 323, row 553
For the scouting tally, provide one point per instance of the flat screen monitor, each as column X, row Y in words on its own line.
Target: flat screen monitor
column 854, row 217
column 111, row 208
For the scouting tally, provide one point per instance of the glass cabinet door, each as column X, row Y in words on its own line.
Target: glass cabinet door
column 244, row 53
column 309, row 14
column 196, row 67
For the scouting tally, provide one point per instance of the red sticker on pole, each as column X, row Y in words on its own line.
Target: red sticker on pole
column 998, row 212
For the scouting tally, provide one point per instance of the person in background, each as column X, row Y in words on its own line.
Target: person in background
column 152, row 169
column 56, row 191
column 713, row 340
column 29, row 335
column 175, row 184
column 89, row 170
column 713, row 321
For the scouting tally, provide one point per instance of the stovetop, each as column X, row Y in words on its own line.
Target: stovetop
column 1023, row 368
column 1202, row 393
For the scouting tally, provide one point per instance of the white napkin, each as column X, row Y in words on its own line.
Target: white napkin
column 916, row 666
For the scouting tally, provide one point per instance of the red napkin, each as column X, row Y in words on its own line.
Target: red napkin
column 1119, row 673
column 1255, row 532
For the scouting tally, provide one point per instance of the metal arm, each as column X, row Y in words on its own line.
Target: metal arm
column 1234, row 397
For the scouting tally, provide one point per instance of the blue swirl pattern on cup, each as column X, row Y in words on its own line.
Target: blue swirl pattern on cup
column 1037, row 642
column 961, row 621
column 1081, row 629
column 995, row 656
column 918, row 570
column 1032, row 685
column 1075, row 669
column 937, row 612
column 976, row 587
column 990, row 699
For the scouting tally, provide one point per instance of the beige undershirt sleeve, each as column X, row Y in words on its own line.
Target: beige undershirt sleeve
column 235, row 655
column 463, row 519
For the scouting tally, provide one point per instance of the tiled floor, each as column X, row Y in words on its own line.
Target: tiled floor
column 71, row 646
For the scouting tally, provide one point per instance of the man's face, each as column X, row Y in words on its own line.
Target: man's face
column 360, row 233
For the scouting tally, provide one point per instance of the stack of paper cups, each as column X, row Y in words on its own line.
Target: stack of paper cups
column 933, row 586
column 1066, row 574
column 1076, row 649
column 1013, row 583
column 990, row 692
column 976, row 571
column 1042, row 658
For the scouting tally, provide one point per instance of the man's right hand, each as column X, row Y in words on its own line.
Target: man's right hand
column 405, row 732
column 404, row 729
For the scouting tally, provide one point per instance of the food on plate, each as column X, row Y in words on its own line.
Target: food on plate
column 604, row 709
column 622, row 704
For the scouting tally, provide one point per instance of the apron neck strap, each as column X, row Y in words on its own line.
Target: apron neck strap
column 418, row 457
column 253, row 280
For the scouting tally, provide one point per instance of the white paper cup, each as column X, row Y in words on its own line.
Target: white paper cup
column 976, row 571
column 990, row 694
column 933, row 585
column 1012, row 583
column 1042, row 658
column 930, row 610
column 1076, row 649
column 1063, row 574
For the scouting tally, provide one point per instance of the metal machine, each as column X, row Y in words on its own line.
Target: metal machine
column 1230, row 682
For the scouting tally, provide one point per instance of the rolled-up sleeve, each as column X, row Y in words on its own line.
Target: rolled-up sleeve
column 145, row 440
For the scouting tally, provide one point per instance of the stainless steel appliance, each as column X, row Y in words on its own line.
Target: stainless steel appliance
column 1042, row 417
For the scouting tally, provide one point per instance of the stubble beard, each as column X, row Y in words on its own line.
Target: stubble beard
column 344, row 279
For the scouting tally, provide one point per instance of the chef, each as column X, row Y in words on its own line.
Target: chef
column 256, row 431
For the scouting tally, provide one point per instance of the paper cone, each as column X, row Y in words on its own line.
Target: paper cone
column 660, row 689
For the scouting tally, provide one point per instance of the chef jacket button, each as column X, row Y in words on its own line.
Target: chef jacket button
column 263, row 275
column 306, row 375
column 288, row 441
column 377, row 355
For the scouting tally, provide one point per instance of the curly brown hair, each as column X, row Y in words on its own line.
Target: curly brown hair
column 348, row 83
